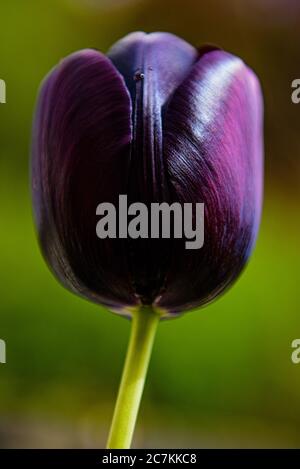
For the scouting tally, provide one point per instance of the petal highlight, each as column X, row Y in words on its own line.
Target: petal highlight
column 213, row 153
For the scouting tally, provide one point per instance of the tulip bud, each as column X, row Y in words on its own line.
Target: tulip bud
column 158, row 121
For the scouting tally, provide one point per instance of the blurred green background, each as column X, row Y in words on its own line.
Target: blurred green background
column 219, row 377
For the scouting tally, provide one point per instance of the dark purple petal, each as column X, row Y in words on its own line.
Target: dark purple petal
column 81, row 150
column 153, row 66
column 213, row 154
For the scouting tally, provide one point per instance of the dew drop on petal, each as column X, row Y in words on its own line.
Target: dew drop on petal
column 138, row 76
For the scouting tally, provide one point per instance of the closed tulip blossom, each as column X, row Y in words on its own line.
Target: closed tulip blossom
column 160, row 122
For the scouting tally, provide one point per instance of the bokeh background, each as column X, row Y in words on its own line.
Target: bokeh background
column 219, row 377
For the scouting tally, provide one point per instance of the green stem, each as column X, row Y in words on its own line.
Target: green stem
column 144, row 325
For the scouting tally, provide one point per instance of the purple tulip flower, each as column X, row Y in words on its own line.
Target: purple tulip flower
column 159, row 121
